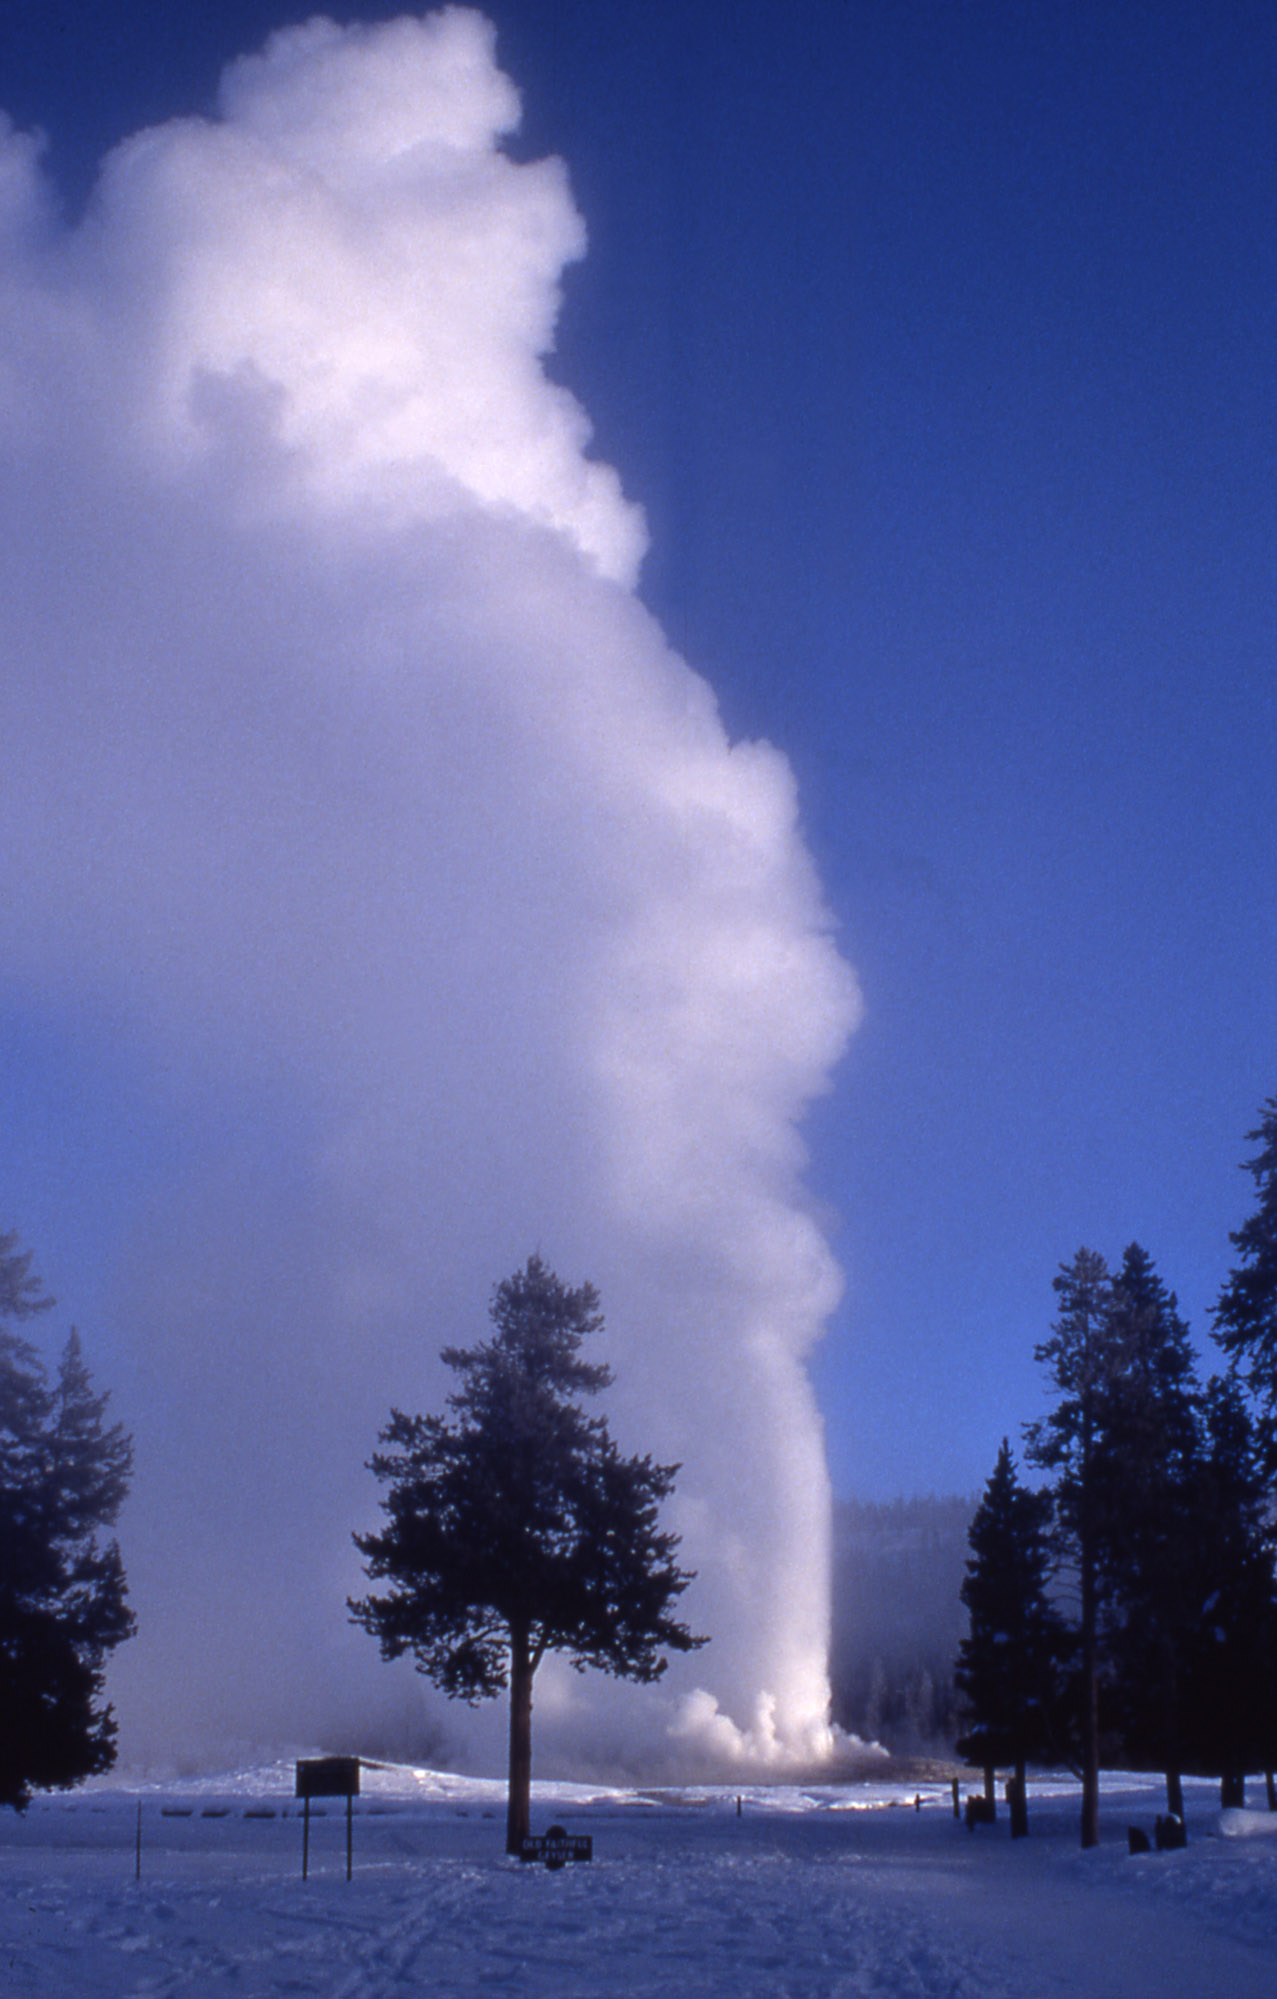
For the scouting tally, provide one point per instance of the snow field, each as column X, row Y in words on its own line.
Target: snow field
column 839, row 1891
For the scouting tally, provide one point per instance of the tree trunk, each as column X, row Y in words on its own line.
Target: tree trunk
column 1170, row 1731
column 518, row 1816
column 990, row 1790
column 1090, row 1703
column 1019, row 1800
column 1232, row 1789
column 1270, row 1785
column 1175, row 1794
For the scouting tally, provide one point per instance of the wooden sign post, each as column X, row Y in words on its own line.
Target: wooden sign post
column 327, row 1777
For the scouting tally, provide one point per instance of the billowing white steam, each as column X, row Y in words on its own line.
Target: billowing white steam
column 347, row 777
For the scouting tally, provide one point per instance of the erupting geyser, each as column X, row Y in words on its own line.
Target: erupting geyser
column 414, row 891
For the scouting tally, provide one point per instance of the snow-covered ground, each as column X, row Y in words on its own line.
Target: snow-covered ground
column 807, row 1891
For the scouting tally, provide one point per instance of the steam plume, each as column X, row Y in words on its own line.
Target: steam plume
column 348, row 776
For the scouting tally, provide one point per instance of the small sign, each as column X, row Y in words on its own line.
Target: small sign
column 328, row 1777
column 556, row 1847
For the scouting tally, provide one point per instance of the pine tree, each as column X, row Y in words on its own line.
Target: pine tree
column 21, row 1292
column 518, row 1528
column 1008, row 1665
column 1232, row 1663
column 63, row 1604
column 1245, row 1328
column 1068, row 1442
column 1246, row 1311
column 1150, row 1549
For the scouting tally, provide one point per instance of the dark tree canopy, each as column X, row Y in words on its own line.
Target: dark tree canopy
column 1147, row 1436
column 1008, row 1664
column 1148, row 1479
column 21, row 1292
column 1122, row 1441
column 63, row 1605
column 1068, row 1442
column 1232, row 1697
column 516, row 1527
column 1246, row 1312
column 1075, row 1358
column 1163, row 1519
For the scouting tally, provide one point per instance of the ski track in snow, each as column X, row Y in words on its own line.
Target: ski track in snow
column 842, row 1893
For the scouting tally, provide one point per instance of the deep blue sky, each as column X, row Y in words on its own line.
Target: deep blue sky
column 937, row 341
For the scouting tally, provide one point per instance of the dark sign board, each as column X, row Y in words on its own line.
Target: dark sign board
column 556, row 1847
column 328, row 1777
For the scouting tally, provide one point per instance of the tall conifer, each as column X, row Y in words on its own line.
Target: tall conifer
column 1246, row 1311
column 518, row 1528
column 63, row 1604
column 1007, row 1670
column 1067, row 1441
column 1150, row 1546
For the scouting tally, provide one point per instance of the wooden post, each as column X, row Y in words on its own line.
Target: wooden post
column 305, row 1835
column 137, row 1870
column 350, row 1805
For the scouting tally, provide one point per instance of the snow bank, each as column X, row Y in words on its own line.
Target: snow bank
column 822, row 1890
